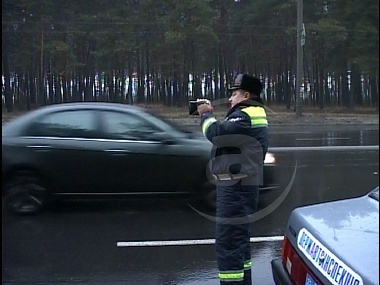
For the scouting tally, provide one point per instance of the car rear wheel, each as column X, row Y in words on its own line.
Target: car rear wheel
column 25, row 194
column 210, row 199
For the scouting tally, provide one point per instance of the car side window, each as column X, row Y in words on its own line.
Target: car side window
column 79, row 124
column 119, row 125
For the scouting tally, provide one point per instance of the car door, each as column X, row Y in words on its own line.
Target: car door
column 66, row 148
column 137, row 160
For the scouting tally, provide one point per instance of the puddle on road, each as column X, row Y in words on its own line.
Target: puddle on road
column 262, row 254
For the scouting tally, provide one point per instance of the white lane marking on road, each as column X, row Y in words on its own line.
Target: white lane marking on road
column 324, row 148
column 318, row 139
column 289, row 132
column 189, row 242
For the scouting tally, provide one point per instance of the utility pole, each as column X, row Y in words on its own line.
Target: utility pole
column 300, row 43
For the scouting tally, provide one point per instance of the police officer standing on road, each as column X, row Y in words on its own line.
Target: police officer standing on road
column 240, row 143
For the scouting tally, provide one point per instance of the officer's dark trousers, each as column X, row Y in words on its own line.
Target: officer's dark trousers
column 235, row 206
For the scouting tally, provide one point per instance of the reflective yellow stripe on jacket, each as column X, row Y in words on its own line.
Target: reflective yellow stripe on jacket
column 206, row 124
column 258, row 116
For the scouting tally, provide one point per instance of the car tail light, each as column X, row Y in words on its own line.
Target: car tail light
column 285, row 255
column 295, row 267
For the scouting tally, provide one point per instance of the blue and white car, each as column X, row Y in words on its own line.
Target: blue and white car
column 331, row 243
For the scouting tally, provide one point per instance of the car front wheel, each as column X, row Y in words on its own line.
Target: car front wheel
column 25, row 194
column 209, row 196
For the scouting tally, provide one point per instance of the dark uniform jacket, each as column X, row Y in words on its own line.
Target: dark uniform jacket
column 240, row 141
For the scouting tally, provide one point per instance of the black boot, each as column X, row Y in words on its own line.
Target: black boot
column 247, row 277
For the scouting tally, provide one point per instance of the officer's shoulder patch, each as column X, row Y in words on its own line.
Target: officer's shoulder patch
column 236, row 119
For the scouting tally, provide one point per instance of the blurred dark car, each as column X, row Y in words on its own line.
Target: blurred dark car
column 331, row 243
column 78, row 150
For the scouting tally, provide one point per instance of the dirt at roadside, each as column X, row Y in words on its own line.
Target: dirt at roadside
column 276, row 116
column 307, row 118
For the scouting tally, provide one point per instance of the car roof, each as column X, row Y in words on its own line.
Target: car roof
column 88, row 105
column 14, row 125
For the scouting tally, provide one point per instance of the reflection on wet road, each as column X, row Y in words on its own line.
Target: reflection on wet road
column 76, row 241
column 297, row 136
column 359, row 137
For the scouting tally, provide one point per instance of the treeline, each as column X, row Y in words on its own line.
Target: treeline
column 170, row 51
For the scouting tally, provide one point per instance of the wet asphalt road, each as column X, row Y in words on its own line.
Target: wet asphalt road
column 76, row 241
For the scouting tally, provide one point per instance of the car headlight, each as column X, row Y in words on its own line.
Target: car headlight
column 269, row 158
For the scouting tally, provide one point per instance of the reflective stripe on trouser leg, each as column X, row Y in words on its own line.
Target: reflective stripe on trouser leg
column 231, row 276
column 247, row 265
column 247, row 273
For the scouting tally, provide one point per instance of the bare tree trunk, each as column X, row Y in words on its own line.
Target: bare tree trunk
column 82, row 87
column 175, row 99
column 197, row 87
column 51, row 89
column 289, row 73
column 148, row 72
column 129, row 96
column 111, row 87
column 374, row 86
column 65, row 94
column 267, row 80
column 357, row 86
column 164, row 94
column 42, row 90
column 355, row 81
column 157, row 88
column 344, row 89
column 76, row 95
column 321, row 96
column 122, row 86
column 20, row 90
column 140, row 78
column 32, row 83
column 6, row 74
column 221, row 75
column 168, row 92
column 87, row 86
column 57, row 87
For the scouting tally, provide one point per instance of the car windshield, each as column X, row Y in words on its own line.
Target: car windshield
column 179, row 128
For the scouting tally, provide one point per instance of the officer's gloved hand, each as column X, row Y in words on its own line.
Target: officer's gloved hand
column 204, row 106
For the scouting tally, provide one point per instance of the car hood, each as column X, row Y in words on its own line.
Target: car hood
column 349, row 229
